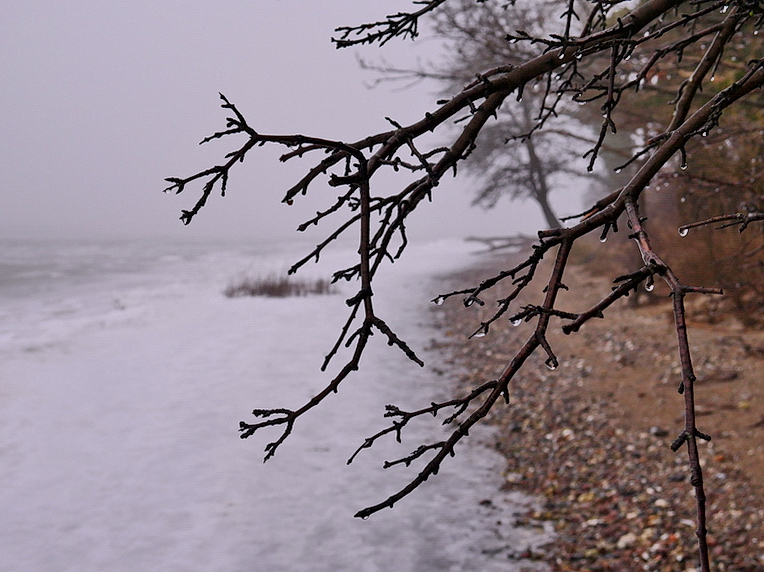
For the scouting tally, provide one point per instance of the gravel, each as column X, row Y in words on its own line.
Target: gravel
column 591, row 439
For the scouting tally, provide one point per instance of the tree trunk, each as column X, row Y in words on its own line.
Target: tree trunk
column 538, row 174
column 540, row 190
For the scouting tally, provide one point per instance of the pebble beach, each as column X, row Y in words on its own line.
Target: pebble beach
column 591, row 439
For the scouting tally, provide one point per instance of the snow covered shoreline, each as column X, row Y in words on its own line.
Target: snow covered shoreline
column 119, row 401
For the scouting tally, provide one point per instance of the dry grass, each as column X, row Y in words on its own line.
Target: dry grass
column 274, row 286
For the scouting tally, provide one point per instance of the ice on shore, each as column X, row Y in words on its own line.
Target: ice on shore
column 120, row 397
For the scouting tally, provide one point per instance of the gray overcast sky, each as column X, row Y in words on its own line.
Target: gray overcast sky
column 100, row 101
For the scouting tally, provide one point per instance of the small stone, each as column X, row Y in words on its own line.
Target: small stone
column 626, row 540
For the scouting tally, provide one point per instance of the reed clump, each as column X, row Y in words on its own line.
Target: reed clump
column 274, row 286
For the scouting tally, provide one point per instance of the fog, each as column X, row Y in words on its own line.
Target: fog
column 100, row 101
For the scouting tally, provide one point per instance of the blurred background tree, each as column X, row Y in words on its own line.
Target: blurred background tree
column 720, row 173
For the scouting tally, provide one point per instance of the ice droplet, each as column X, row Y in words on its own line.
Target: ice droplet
column 551, row 364
column 439, row 301
column 603, row 238
column 683, row 231
column 516, row 322
column 480, row 333
column 649, row 286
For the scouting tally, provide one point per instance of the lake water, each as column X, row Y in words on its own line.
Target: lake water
column 124, row 372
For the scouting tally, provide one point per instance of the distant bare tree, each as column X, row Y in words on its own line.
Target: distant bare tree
column 599, row 55
column 476, row 39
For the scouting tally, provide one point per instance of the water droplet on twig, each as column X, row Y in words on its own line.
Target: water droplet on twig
column 481, row 333
column 683, row 231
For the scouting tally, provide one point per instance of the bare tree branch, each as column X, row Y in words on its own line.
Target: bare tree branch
column 598, row 54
